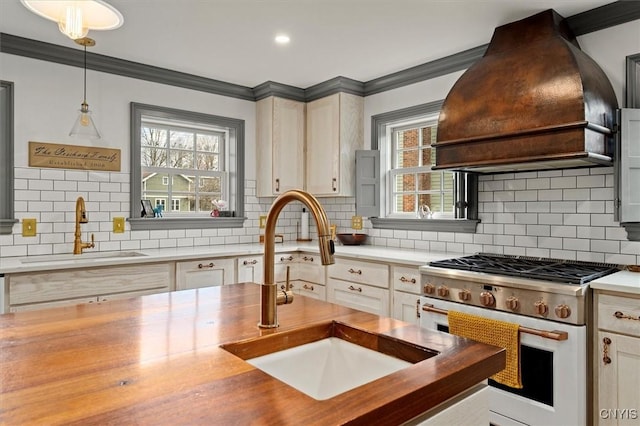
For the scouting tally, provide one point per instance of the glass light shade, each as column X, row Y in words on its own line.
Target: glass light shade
column 84, row 126
column 76, row 17
column 72, row 24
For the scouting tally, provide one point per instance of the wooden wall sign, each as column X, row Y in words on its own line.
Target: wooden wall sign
column 60, row 156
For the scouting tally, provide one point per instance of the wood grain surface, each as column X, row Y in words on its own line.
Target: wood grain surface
column 157, row 360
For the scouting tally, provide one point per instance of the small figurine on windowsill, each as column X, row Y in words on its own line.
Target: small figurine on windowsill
column 424, row 212
column 157, row 211
column 218, row 206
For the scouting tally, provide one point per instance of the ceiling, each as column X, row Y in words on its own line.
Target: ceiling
column 233, row 40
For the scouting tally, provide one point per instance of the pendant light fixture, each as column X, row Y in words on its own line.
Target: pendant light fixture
column 76, row 17
column 84, row 126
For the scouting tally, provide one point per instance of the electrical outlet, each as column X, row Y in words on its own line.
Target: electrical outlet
column 29, row 227
column 263, row 222
column 118, row 225
column 356, row 222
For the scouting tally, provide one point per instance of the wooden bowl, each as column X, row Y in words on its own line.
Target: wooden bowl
column 352, row 239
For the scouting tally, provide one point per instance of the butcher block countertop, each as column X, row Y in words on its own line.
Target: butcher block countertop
column 157, row 360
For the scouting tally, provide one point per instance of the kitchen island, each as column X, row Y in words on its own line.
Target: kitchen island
column 157, row 360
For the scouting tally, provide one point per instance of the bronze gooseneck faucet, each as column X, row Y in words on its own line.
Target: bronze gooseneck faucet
column 270, row 297
column 81, row 217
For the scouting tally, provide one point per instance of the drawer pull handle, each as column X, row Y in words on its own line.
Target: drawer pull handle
column 277, row 185
column 620, row 315
column 283, row 259
column 605, row 351
column 210, row 265
column 310, row 259
column 250, row 262
column 352, row 288
column 308, row 287
column 354, row 271
column 407, row 280
column 334, row 184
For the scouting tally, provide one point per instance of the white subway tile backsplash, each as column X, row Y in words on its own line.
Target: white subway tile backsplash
column 556, row 213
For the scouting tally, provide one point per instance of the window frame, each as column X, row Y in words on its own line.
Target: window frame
column 235, row 169
column 466, row 189
column 7, row 218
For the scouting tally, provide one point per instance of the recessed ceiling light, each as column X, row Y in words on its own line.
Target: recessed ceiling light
column 282, row 39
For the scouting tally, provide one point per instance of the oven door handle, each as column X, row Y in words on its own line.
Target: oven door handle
column 553, row 335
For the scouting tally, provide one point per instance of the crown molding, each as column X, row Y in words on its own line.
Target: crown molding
column 612, row 14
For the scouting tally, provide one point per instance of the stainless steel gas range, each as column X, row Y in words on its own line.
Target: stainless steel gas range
column 549, row 299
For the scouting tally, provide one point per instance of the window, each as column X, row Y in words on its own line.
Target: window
column 186, row 160
column 415, row 190
column 409, row 190
column 184, row 156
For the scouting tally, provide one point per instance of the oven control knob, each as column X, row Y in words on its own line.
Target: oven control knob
column 443, row 291
column 487, row 299
column 563, row 311
column 541, row 308
column 429, row 288
column 464, row 295
column 512, row 303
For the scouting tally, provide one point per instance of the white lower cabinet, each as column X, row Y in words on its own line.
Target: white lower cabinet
column 250, row 269
column 406, row 293
column 205, row 273
column 468, row 408
column 358, row 296
column 617, row 359
column 38, row 290
column 360, row 285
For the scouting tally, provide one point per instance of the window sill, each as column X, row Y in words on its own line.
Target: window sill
column 145, row 224
column 6, row 226
column 633, row 230
column 467, row 226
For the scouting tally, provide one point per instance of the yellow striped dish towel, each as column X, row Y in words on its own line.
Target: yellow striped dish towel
column 492, row 332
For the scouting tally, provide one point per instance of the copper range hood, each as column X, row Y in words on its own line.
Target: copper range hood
column 534, row 101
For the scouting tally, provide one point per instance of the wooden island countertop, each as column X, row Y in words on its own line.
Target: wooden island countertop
column 157, row 360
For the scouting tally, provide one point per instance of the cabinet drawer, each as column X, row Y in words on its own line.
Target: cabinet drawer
column 358, row 296
column 358, row 271
column 205, row 273
column 313, row 290
column 77, row 283
column 310, row 268
column 406, row 279
column 615, row 313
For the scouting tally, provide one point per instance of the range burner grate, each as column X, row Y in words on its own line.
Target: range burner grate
column 540, row 268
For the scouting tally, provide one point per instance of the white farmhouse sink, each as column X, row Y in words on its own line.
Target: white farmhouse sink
column 326, row 360
column 80, row 257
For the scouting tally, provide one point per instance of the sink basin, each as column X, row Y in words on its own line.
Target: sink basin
column 80, row 257
column 328, row 359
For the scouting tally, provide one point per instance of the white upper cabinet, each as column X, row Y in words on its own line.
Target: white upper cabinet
column 334, row 132
column 280, row 145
